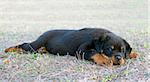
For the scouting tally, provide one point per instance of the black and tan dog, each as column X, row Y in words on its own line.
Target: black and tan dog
column 98, row 45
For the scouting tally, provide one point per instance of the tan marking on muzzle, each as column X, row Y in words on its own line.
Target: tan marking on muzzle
column 121, row 61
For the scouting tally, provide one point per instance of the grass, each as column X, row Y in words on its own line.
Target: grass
column 24, row 20
column 48, row 67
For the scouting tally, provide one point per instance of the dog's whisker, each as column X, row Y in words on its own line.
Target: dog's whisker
column 58, row 54
column 83, row 56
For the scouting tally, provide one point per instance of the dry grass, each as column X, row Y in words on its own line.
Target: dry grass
column 24, row 20
column 47, row 67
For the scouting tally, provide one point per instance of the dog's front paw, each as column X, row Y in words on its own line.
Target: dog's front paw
column 101, row 59
column 133, row 55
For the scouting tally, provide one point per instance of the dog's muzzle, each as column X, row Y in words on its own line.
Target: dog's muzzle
column 118, row 56
column 118, row 59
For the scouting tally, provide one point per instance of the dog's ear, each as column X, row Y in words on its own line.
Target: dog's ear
column 128, row 48
column 104, row 38
column 99, row 43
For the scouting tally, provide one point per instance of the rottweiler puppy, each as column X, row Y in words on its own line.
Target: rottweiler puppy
column 98, row 45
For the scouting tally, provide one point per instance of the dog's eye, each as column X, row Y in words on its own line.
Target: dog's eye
column 122, row 49
column 112, row 47
column 108, row 51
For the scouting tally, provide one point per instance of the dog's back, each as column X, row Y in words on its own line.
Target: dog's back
column 63, row 41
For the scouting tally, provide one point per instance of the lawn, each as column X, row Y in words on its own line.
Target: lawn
column 47, row 67
column 23, row 21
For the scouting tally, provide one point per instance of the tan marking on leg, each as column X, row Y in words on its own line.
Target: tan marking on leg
column 101, row 59
column 133, row 55
column 42, row 50
column 14, row 49
column 113, row 59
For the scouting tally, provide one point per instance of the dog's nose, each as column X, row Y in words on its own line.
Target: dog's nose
column 118, row 57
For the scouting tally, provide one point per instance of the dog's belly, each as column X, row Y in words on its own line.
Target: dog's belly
column 60, row 47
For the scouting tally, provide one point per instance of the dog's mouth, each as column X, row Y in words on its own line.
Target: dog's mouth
column 121, row 61
column 102, row 59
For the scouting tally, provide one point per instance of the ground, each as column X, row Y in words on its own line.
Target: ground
column 23, row 21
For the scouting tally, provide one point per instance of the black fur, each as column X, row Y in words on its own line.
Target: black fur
column 88, row 40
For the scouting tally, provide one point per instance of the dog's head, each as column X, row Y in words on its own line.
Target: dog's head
column 114, row 47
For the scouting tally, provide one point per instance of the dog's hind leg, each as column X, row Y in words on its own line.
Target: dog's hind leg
column 31, row 47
